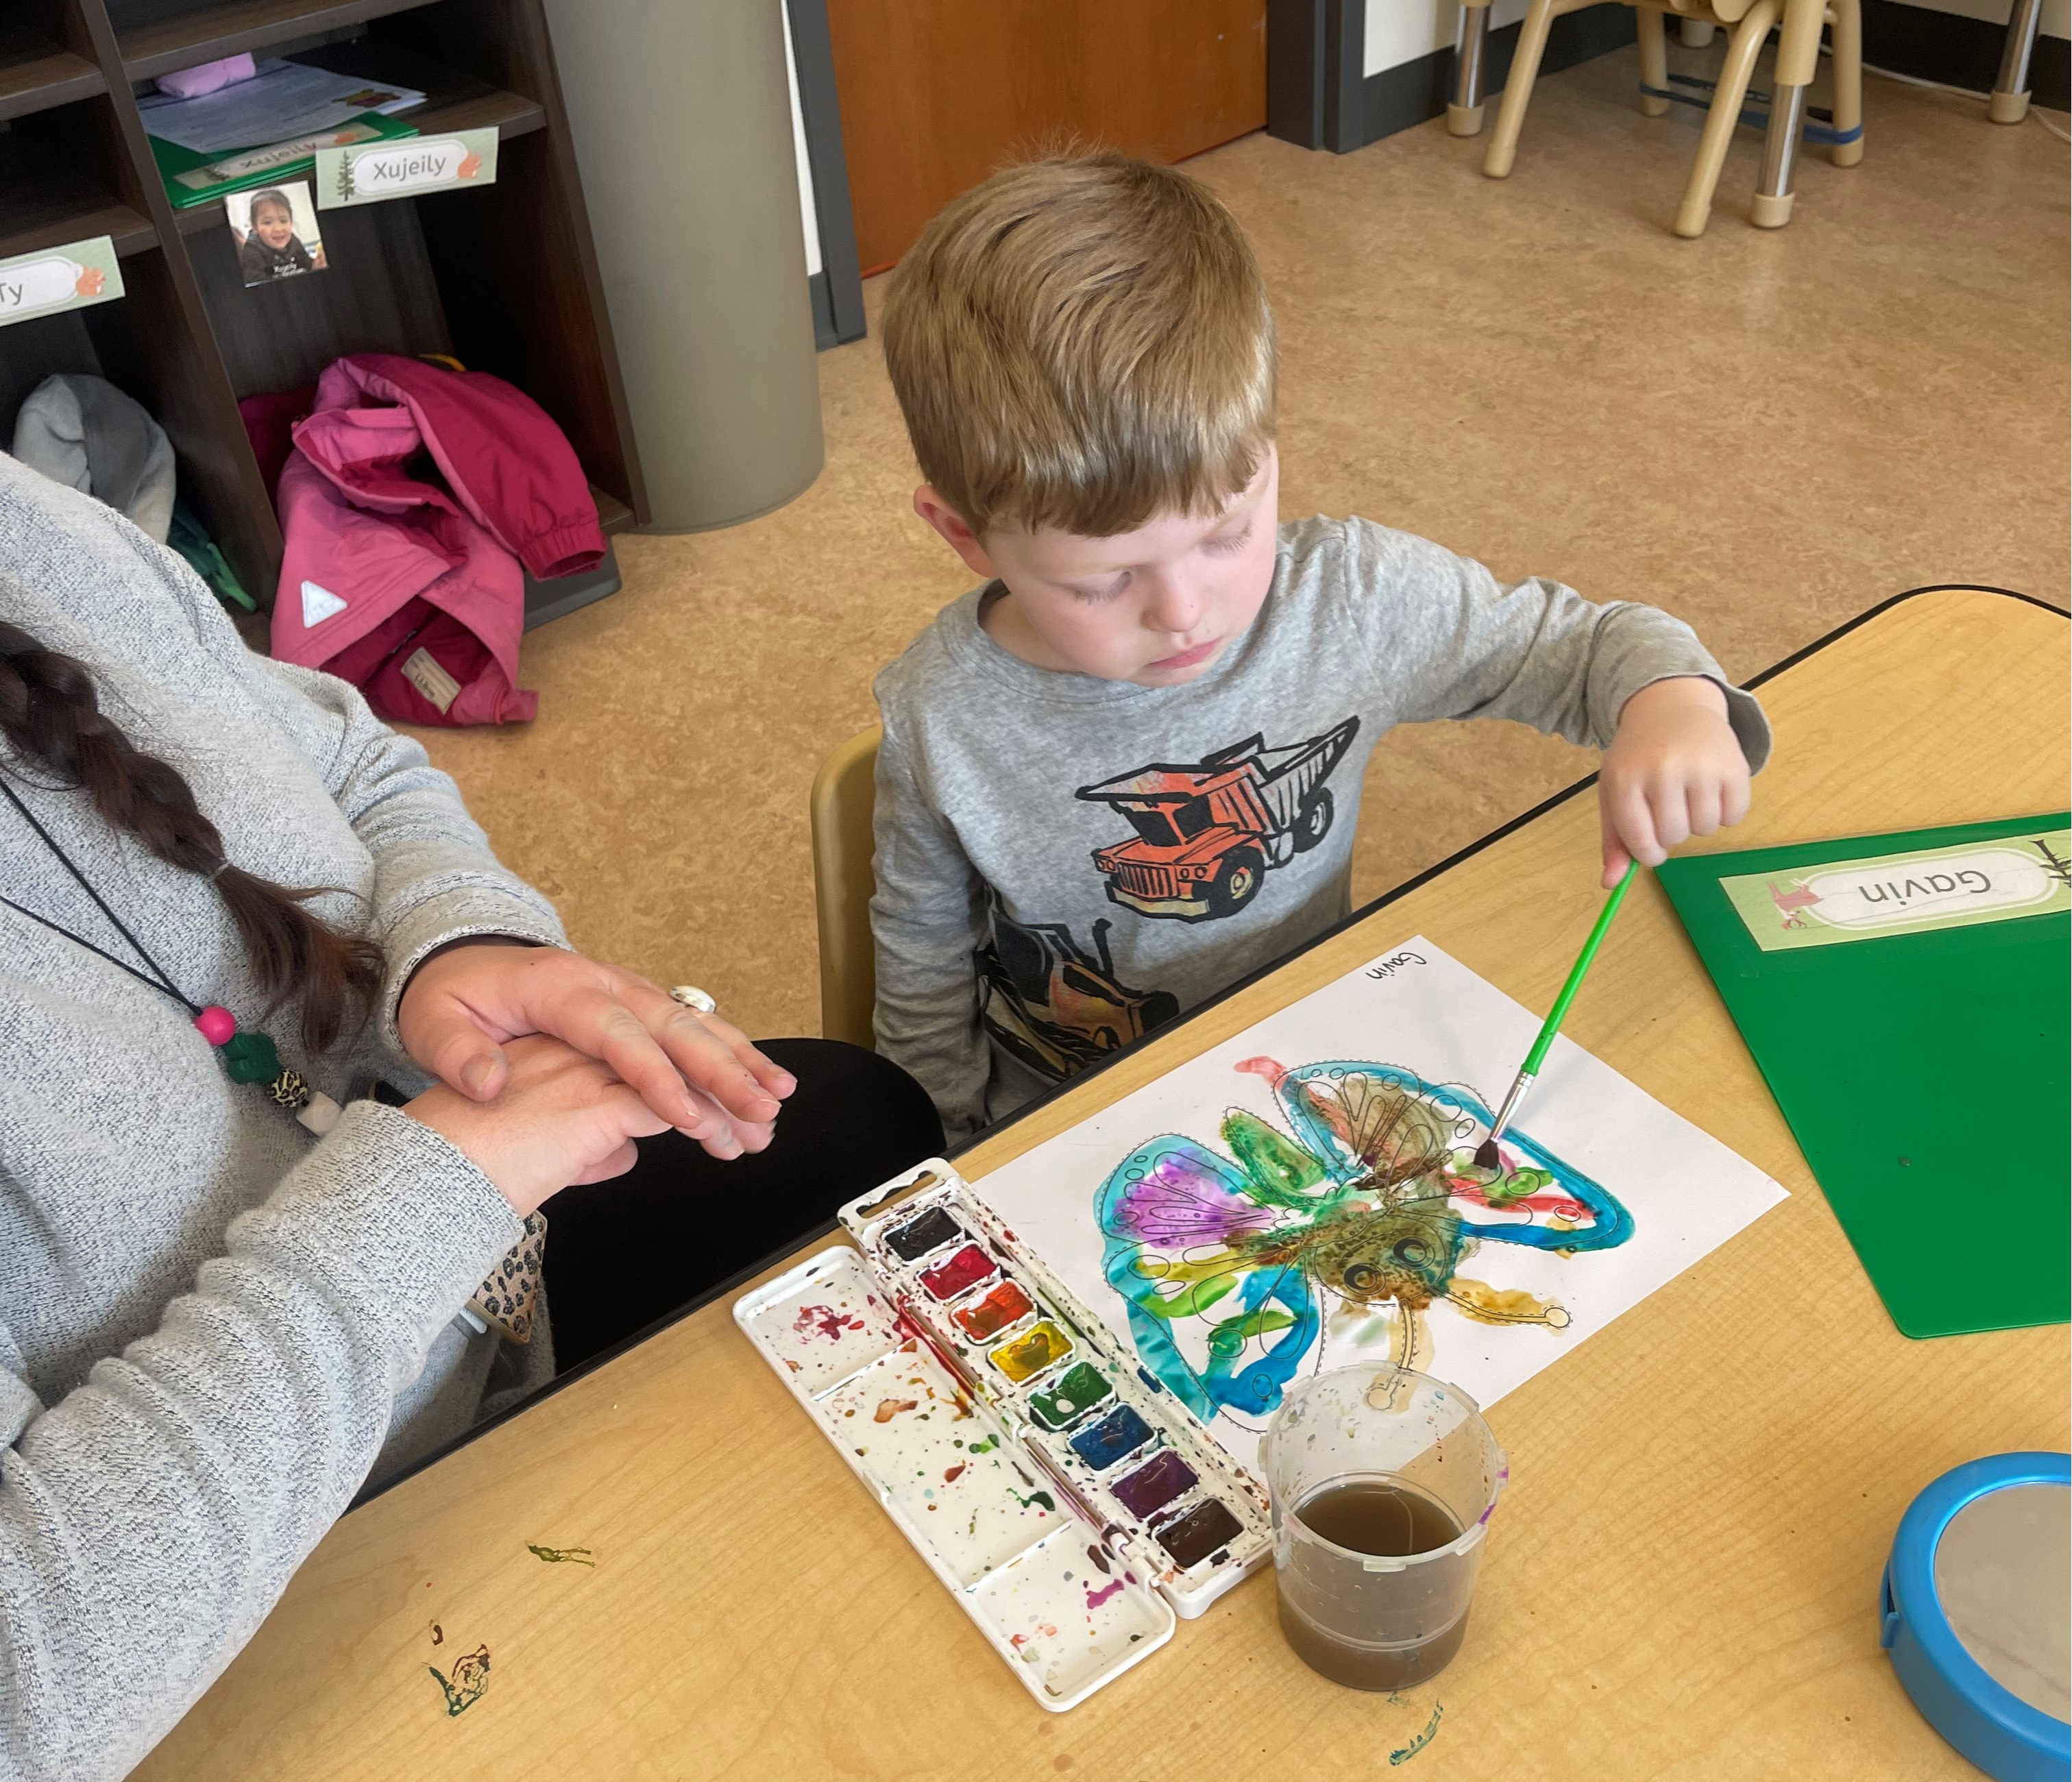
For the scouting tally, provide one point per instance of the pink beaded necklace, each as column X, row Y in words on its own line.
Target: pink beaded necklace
column 248, row 1055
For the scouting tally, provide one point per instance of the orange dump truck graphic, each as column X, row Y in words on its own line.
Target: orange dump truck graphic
column 1207, row 832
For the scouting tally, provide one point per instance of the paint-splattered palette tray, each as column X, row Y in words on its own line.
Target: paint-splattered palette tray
column 1064, row 1498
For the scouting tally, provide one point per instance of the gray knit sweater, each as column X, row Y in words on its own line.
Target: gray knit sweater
column 213, row 1326
column 1064, row 863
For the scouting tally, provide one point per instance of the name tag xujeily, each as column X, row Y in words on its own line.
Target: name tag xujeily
column 69, row 277
column 403, row 169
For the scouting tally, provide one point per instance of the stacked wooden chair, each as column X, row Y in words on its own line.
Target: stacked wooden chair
column 1747, row 23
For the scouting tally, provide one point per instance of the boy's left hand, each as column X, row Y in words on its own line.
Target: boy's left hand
column 1674, row 770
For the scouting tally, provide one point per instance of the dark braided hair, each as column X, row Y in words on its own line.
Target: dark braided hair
column 50, row 713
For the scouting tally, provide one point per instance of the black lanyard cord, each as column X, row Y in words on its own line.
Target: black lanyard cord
column 159, row 980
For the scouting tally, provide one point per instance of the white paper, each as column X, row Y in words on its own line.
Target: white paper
column 1415, row 1008
column 284, row 99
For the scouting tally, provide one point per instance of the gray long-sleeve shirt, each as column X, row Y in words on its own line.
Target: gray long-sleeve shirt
column 1064, row 863
column 213, row 1324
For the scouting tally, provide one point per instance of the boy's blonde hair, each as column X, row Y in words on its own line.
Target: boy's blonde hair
column 1083, row 343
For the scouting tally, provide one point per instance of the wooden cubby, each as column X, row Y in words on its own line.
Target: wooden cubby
column 504, row 278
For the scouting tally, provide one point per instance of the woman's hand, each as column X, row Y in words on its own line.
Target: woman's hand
column 1676, row 769
column 557, row 1118
column 698, row 1072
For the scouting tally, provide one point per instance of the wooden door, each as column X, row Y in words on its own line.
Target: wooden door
column 935, row 94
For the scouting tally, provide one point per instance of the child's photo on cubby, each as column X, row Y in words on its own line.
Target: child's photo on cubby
column 276, row 228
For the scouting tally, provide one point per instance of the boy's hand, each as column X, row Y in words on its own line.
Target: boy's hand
column 1674, row 770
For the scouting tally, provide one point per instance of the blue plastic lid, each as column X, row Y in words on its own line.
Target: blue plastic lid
column 1976, row 1616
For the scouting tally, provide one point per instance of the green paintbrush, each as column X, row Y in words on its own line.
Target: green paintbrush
column 1487, row 1156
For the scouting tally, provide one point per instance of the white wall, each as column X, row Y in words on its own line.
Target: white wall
column 806, row 211
column 1401, row 31
column 2057, row 14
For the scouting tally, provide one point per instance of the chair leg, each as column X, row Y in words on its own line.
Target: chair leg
column 1518, row 89
column 2009, row 103
column 1464, row 115
column 1798, row 61
column 1724, row 114
column 1848, row 64
column 1654, row 61
column 1772, row 208
column 1798, row 43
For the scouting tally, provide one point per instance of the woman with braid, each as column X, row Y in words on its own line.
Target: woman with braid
column 233, row 1288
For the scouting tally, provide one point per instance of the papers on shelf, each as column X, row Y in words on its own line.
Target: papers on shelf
column 284, row 99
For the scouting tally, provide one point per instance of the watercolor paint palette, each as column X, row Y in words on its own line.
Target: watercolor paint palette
column 1068, row 1502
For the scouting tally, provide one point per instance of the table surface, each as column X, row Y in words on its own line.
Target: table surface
column 1681, row 1581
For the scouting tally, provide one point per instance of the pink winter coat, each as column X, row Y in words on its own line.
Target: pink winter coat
column 410, row 590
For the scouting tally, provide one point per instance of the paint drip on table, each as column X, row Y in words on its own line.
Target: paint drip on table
column 1403, row 1753
column 463, row 1684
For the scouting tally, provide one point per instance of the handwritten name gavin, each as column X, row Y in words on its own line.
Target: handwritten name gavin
column 1389, row 966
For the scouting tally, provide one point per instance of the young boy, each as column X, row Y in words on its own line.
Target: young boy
column 1126, row 771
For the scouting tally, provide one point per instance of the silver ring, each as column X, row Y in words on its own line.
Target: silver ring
column 693, row 999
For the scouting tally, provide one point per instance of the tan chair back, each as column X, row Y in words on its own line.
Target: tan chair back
column 845, row 793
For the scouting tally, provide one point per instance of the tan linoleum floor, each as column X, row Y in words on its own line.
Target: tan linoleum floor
column 1764, row 432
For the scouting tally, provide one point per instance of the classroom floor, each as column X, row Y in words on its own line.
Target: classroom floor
column 1764, row 432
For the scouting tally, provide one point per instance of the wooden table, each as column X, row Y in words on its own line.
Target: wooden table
column 1681, row 1579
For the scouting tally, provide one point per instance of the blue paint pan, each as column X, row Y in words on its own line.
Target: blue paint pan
column 1976, row 1616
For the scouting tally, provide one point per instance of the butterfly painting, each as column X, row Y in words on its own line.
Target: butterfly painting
column 1360, row 1214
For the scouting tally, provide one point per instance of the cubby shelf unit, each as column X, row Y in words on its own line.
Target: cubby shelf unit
column 504, row 278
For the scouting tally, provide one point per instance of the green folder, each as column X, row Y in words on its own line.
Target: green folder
column 1906, row 997
column 191, row 177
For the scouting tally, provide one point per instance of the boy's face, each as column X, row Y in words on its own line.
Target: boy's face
column 1154, row 606
column 274, row 225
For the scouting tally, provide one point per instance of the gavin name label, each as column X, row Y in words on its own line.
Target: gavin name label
column 1907, row 893
column 1994, row 879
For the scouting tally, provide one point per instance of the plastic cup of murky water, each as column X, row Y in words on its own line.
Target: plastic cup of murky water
column 1382, row 1481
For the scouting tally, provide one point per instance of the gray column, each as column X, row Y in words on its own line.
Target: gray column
column 681, row 115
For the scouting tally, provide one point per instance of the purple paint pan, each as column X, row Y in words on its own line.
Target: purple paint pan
column 1154, row 1484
